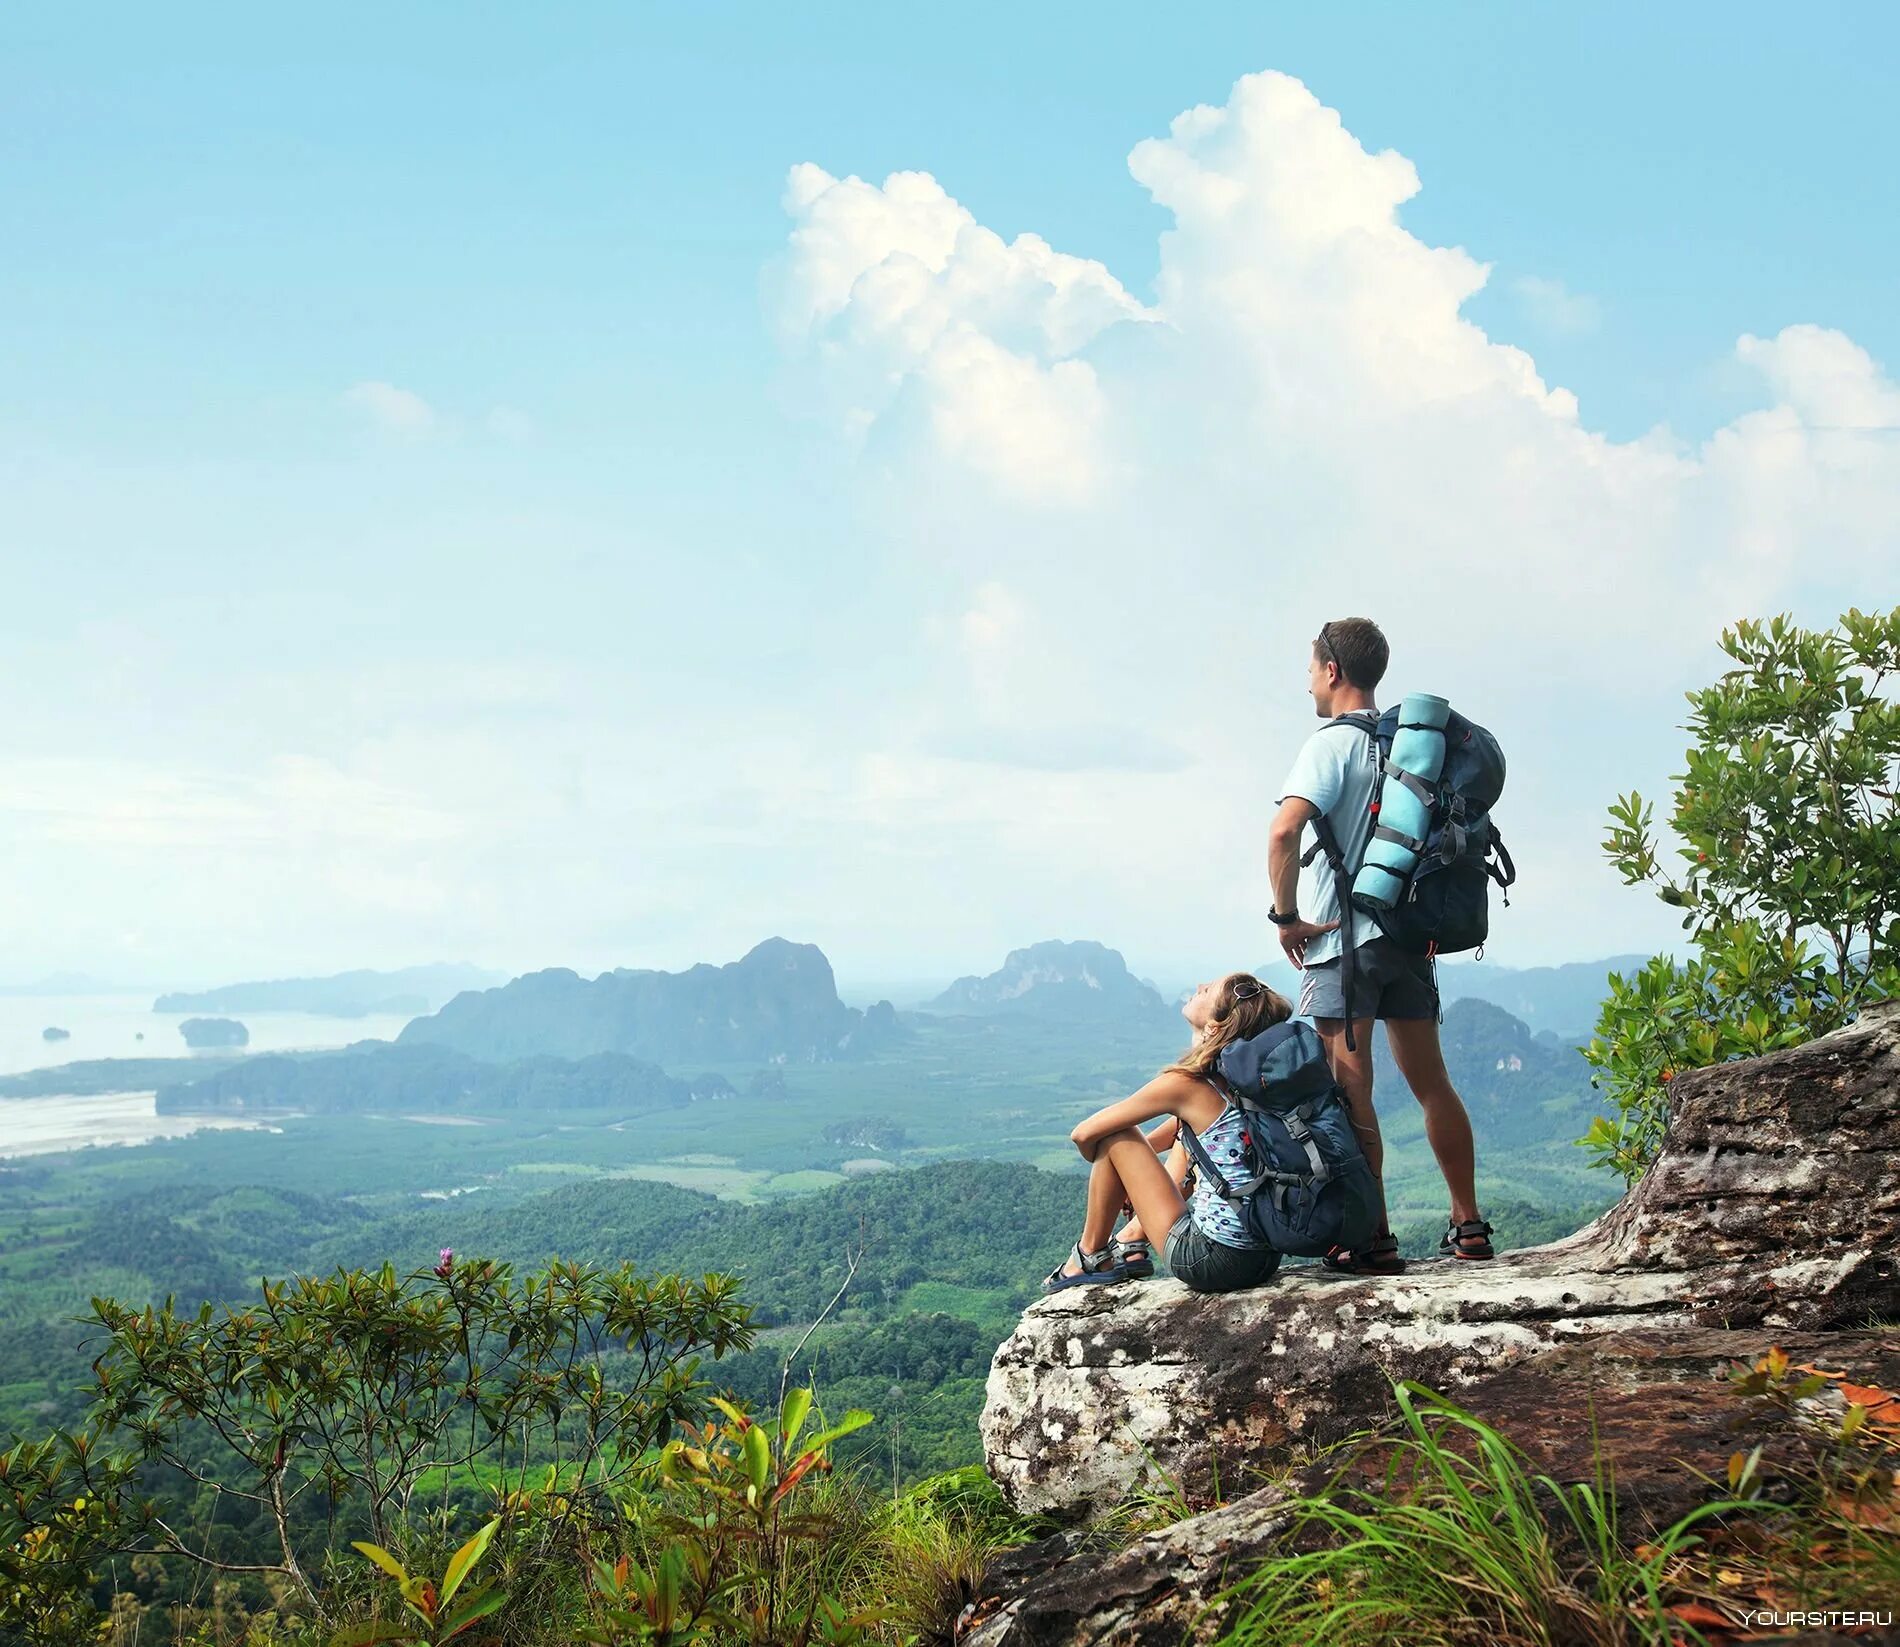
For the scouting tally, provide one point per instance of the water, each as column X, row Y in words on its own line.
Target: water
column 41, row 1126
column 109, row 1026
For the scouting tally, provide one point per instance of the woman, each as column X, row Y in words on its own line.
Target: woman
column 1207, row 1246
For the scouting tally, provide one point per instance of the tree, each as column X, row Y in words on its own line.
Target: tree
column 343, row 1396
column 1790, row 892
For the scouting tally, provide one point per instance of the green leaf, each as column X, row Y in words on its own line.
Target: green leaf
column 465, row 1558
column 478, row 1605
column 792, row 1417
column 758, row 1457
column 856, row 1419
column 383, row 1559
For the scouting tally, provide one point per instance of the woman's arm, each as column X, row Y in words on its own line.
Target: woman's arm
column 1169, row 1093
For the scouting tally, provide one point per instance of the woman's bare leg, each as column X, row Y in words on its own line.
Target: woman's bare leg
column 1126, row 1172
column 1178, row 1164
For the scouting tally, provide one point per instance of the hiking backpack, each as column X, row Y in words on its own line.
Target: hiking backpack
column 1311, row 1188
column 1443, row 908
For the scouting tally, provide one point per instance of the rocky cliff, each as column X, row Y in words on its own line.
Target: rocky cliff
column 1773, row 1211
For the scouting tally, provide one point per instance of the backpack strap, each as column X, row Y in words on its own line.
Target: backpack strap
column 1326, row 842
column 1295, row 1121
column 1504, row 872
column 1203, row 1162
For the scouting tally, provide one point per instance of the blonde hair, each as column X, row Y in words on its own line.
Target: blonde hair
column 1234, row 1018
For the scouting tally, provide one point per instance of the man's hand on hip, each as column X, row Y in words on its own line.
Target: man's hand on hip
column 1295, row 937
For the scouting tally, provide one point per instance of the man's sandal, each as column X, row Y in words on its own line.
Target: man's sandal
column 1379, row 1256
column 1467, row 1239
column 1095, row 1268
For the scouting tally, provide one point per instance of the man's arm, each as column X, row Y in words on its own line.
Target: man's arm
column 1283, row 850
column 1283, row 871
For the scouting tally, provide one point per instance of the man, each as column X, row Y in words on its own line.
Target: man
column 1334, row 776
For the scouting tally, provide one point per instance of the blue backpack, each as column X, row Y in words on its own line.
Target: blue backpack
column 1443, row 902
column 1310, row 1187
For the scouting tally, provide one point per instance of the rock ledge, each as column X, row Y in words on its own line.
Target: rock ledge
column 1775, row 1205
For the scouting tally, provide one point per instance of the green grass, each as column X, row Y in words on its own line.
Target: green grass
column 800, row 1183
column 993, row 1307
column 1461, row 1544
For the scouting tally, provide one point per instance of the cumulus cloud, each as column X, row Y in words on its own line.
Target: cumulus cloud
column 911, row 304
column 394, row 411
column 1303, row 422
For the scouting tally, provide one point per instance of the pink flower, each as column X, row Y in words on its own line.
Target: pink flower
column 445, row 1262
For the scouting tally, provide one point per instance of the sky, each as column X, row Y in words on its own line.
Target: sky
column 602, row 485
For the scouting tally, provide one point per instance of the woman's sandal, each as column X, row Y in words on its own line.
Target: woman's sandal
column 1135, row 1259
column 1379, row 1256
column 1095, row 1269
column 1469, row 1239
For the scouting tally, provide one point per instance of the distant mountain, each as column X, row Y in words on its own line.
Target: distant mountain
column 1067, row 980
column 1563, row 999
column 779, row 1002
column 379, row 1076
column 410, row 990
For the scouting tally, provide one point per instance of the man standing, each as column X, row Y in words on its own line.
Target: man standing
column 1334, row 776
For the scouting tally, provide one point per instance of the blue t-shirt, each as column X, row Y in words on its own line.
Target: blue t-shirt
column 1336, row 769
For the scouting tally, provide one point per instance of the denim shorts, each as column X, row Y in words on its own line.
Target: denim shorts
column 1202, row 1264
column 1386, row 983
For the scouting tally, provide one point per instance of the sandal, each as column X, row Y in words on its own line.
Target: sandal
column 1135, row 1259
column 1379, row 1256
column 1469, row 1239
column 1096, row 1268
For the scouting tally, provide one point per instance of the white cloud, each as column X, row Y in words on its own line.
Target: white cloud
column 913, row 308
column 1554, row 306
column 394, row 411
column 1303, row 423
column 1825, row 378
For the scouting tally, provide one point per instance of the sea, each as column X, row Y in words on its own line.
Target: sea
column 51, row 1126
column 125, row 1026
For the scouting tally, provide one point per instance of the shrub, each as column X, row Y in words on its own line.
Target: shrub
column 256, row 1428
column 1790, row 889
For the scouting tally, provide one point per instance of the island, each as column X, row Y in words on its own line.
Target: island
column 53, row 1032
column 214, row 1032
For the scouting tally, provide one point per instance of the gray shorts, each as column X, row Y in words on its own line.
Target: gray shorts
column 1386, row 983
column 1202, row 1264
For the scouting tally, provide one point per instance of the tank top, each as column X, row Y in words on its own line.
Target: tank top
column 1215, row 1218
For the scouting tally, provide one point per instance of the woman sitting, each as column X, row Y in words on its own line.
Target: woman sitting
column 1207, row 1247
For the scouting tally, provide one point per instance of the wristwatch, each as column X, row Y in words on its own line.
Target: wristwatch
column 1278, row 919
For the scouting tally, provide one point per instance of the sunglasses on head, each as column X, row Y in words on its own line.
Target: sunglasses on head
column 1247, row 988
column 1323, row 643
